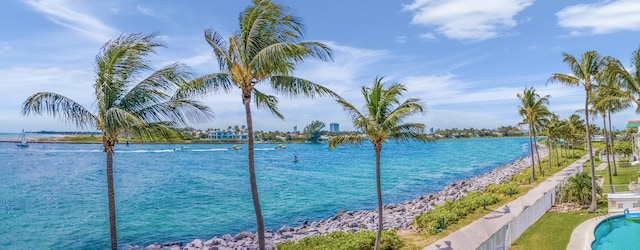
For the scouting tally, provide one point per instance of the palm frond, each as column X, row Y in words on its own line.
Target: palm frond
column 353, row 112
column 564, row 79
column 345, row 139
column 155, row 88
column 268, row 102
column 60, row 106
column 203, row 85
column 118, row 63
column 294, row 87
column 117, row 120
column 153, row 131
column 216, row 41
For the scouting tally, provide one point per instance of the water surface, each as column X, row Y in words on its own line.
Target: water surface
column 53, row 196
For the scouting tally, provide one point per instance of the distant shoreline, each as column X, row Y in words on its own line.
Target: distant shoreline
column 62, row 141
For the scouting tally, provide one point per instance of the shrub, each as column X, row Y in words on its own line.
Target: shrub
column 578, row 189
column 504, row 189
column 345, row 241
column 452, row 211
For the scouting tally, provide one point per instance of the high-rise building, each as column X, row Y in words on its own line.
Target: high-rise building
column 334, row 127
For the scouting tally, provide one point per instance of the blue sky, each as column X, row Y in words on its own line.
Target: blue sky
column 466, row 59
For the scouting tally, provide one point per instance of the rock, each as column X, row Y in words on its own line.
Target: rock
column 396, row 216
column 244, row 235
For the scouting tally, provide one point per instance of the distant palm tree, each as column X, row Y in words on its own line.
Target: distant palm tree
column 381, row 120
column 584, row 73
column 533, row 109
column 265, row 50
column 551, row 128
column 576, row 128
column 145, row 108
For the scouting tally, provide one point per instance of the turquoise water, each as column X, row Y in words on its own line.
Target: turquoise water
column 617, row 233
column 53, row 196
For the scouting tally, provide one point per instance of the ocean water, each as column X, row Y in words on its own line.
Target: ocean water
column 53, row 196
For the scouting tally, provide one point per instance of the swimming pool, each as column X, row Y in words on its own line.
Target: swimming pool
column 617, row 232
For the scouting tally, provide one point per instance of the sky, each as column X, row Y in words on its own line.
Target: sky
column 465, row 59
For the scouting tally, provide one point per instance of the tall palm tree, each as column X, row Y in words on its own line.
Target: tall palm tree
column 145, row 108
column 625, row 85
column 533, row 109
column 381, row 120
column 599, row 106
column 630, row 78
column 583, row 73
column 265, row 50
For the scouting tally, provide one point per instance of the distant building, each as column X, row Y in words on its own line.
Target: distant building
column 295, row 128
column 334, row 127
column 226, row 135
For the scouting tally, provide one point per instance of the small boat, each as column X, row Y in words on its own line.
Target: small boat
column 235, row 148
column 23, row 140
column 280, row 146
column 631, row 216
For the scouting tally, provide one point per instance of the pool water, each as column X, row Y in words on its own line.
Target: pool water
column 617, row 232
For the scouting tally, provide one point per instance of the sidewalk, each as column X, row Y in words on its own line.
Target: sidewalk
column 479, row 231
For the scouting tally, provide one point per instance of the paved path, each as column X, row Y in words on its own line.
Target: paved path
column 476, row 233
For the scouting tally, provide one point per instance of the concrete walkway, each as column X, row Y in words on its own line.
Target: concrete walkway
column 479, row 231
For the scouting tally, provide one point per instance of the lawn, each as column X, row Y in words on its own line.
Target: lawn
column 626, row 175
column 552, row 231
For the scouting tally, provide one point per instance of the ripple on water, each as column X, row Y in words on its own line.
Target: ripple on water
column 54, row 195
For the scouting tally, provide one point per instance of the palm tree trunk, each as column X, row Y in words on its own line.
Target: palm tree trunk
column 537, row 153
column 379, row 188
column 112, row 198
column 246, row 99
column 606, row 146
column 557, row 156
column 533, row 161
column 615, row 167
column 550, row 147
column 594, row 194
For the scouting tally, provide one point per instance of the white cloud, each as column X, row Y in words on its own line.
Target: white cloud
column 19, row 83
column 448, row 89
column 149, row 12
column 600, row 18
column 400, row 39
column 4, row 47
column 346, row 69
column 468, row 19
column 68, row 15
column 428, row 36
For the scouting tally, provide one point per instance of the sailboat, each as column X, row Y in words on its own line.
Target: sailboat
column 23, row 140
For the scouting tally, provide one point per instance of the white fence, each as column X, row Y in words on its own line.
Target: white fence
column 507, row 234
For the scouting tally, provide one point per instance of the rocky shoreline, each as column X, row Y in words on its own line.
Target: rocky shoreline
column 396, row 216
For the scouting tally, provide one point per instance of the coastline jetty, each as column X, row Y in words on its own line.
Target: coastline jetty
column 396, row 216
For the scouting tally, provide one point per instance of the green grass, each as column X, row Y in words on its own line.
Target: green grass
column 626, row 175
column 552, row 231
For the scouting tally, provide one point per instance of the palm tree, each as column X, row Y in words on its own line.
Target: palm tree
column 145, row 108
column 625, row 87
column 382, row 120
column 533, row 109
column 630, row 79
column 599, row 106
column 265, row 50
column 576, row 127
column 551, row 128
column 584, row 73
